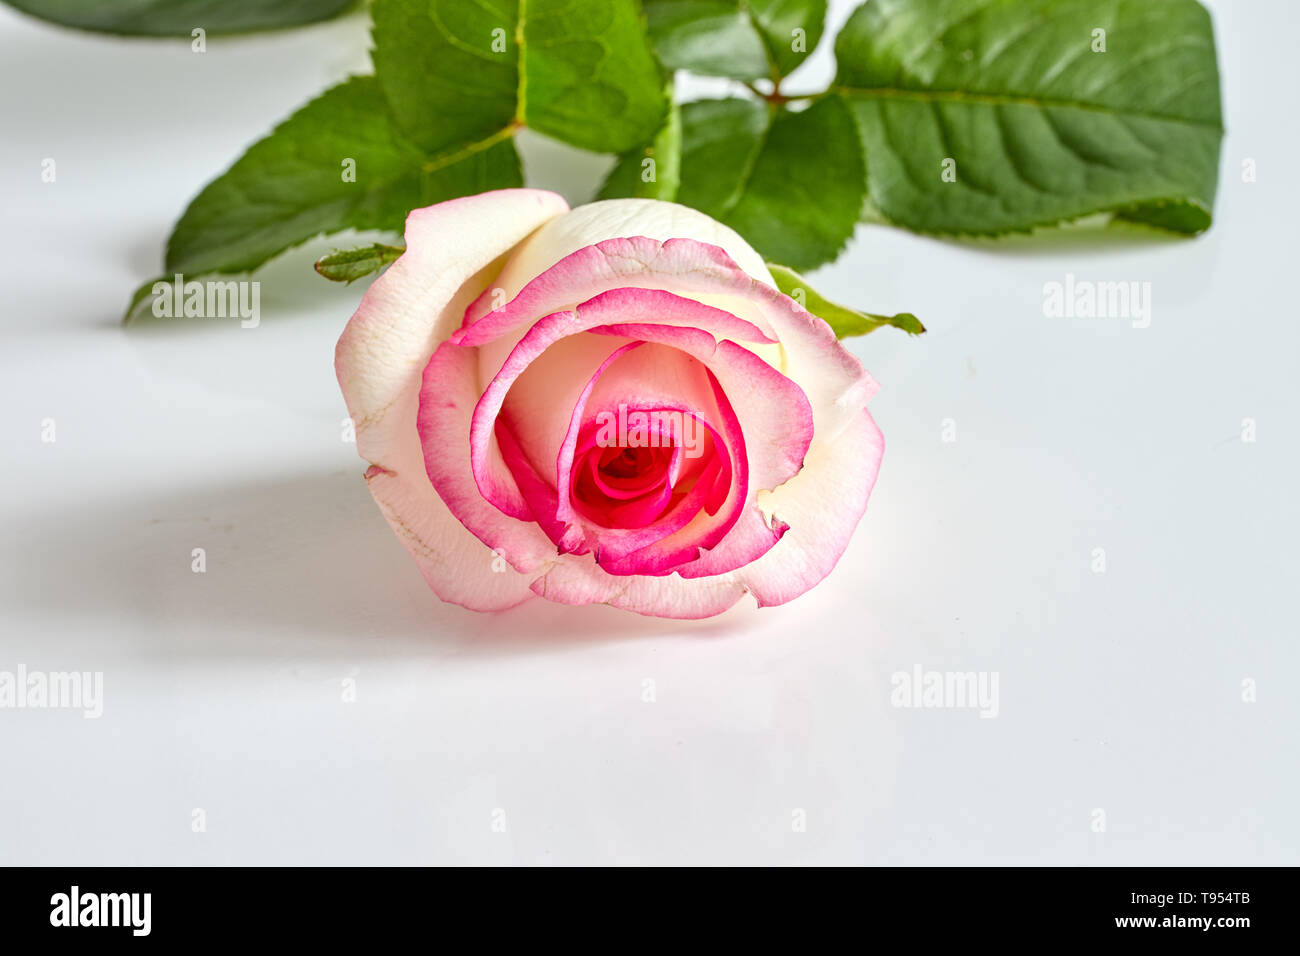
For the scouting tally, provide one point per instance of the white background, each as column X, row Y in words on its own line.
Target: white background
column 1119, row 691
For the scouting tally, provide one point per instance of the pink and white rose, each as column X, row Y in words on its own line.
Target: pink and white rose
column 612, row 405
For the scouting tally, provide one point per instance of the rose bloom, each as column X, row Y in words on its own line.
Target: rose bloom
column 609, row 405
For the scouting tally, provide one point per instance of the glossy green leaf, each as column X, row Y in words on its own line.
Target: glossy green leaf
column 790, row 182
column 652, row 172
column 741, row 39
column 338, row 163
column 991, row 116
column 581, row 71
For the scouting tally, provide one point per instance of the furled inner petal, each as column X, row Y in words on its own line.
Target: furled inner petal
column 658, row 354
column 623, row 473
column 683, row 469
column 679, row 322
column 649, row 468
column 642, row 460
column 567, row 368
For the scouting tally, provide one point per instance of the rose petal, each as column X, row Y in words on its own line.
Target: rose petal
column 563, row 385
column 617, row 219
column 447, row 400
column 668, row 596
column 823, row 505
column 632, row 262
column 453, row 251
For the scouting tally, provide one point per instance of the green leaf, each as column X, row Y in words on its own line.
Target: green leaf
column 799, row 202
column 655, row 170
column 791, row 183
column 142, row 295
column 791, row 29
column 294, row 184
column 720, row 143
column 984, row 117
column 180, row 17
column 742, row 39
column 581, row 71
column 845, row 321
column 348, row 265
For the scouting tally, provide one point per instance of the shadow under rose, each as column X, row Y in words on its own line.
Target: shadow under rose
column 296, row 567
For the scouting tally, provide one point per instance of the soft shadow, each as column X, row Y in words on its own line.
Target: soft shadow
column 1086, row 238
column 306, row 566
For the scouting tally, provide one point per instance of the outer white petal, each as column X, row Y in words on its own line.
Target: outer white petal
column 453, row 251
column 623, row 218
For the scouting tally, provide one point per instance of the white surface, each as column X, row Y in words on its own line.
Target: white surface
column 222, row 691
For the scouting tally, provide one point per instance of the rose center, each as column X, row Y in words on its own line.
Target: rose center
column 626, row 463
